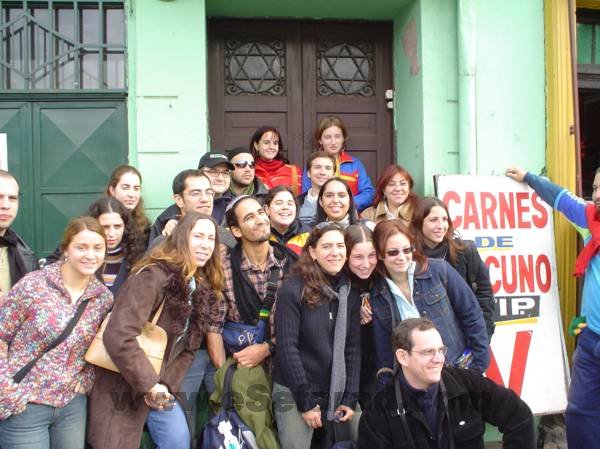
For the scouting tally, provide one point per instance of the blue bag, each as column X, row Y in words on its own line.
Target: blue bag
column 237, row 336
column 227, row 430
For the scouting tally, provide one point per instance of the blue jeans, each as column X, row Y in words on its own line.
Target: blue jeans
column 46, row 427
column 293, row 432
column 583, row 411
column 168, row 428
column 200, row 370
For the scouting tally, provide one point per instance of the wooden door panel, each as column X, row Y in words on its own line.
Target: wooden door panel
column 239, row 126
column 254, row 77
column 328, row 68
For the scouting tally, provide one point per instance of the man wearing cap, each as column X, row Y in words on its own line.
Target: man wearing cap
column 16, row 258
column 217, row 167
column 243, row 179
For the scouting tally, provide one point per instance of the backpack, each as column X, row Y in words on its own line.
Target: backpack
column 226, row 430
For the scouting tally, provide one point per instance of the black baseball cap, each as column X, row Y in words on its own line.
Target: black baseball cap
column 213, row 159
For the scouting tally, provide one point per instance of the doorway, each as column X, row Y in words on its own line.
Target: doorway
column 289, row 74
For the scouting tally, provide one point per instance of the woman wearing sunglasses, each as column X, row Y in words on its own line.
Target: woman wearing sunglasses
column 412, row 285
column 272, row 168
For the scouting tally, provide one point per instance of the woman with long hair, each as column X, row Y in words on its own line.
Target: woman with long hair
column 124, row 244
column 394, row 196
column 282, row 208
column 47, row 407
column 272, row 168
column 335, row 204
column 317, row 323
column 435, row 237
column 184, row 273
column 361, row 263
column 125, row 185
column 411, row 285
column 331, row 136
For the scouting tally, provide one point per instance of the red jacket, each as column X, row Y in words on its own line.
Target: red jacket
column 276, row 173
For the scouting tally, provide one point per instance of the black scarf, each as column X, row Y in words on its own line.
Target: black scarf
column 15, row 262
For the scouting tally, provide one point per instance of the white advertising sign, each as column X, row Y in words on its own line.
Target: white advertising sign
column 513, row 230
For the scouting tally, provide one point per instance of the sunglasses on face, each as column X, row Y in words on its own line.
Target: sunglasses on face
column 394, row 252
column 244, row 164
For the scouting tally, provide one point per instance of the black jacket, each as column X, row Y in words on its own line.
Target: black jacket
column 21, row 259
column 472, row 401
column 304, row 355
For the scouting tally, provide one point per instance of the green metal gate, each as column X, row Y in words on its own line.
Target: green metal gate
column 63, row 153
column 62, row 106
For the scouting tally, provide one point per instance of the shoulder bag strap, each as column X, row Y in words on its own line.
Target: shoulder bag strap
column 158, row 312
column 227, row 392
column 20, row 375
column 402, row 413
column 445, row 399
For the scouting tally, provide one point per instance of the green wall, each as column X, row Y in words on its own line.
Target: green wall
column 168, row 125
column 511, row 104
column 168, row 74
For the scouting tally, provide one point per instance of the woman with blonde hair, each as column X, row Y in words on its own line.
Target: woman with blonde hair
column 183, row 272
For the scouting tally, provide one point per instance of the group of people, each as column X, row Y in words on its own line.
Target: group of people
column 373, row 309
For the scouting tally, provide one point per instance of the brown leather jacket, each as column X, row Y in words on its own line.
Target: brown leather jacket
column 117, row 411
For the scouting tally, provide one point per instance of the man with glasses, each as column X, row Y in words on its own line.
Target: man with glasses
column 218, row 169
column 192, row 192
column 243, row 179
column 429, row 405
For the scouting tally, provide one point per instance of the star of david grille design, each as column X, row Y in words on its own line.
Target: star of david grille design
column 254, row 67
column 345, row 68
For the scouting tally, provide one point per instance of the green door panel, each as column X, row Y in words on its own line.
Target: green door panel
column 76, row 145
column 15, row 122
column 63, row 153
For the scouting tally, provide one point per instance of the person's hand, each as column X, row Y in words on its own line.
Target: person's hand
column 252, row 356
column 516, row 173
column 344, row 413
column 366, row 315
column 312, row 418
column 169, row 226
column 159, row 398
column 577, row 325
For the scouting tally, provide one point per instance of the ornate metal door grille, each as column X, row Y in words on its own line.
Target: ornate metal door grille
column 62, row 45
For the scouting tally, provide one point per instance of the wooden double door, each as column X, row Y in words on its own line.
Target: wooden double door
column 289, row 74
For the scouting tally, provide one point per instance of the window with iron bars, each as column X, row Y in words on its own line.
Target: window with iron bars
column 59, row 45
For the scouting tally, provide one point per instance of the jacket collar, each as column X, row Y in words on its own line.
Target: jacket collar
column 53, row 276
column 343, row 156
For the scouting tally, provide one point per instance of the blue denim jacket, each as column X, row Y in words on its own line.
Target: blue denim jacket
column 443, row 296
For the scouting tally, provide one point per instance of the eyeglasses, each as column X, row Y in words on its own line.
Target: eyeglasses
column 401, row 184
column 203, row 193
column 217, row 173
column 394, row 252
column 431, row 353
column 244, row 164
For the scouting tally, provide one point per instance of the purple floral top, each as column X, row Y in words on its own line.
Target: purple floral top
column 32, row 315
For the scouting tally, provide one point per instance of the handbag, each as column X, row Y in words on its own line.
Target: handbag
column 20, row 375
column 152, row 340
column 237, row 336
column 227, row 429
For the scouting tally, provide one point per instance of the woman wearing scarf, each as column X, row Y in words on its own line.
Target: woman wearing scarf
column 272, row 168
column 317, row 323
column 125, row 244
